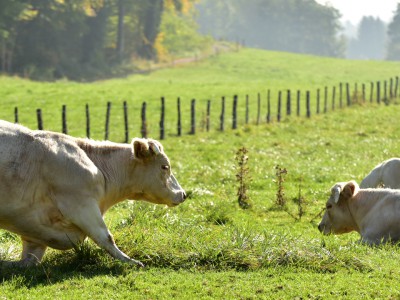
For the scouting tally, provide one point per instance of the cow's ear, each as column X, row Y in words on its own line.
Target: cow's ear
column 350, row 189
column 140, row 148
column 155, row 147
column 336, row 190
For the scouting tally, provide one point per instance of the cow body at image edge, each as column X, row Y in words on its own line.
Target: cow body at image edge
column 386, row 174
column 373, row 213
column 54, row 188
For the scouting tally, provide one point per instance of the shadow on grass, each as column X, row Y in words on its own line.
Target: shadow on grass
column 65, row 266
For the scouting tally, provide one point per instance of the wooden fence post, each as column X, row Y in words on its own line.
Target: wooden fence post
column 318, row 101
column 222, row 116
column 378, row 92
column 143, row 128
column 125, row 107
column 278, row 117
column 385, row 97
column 258, row 108
column 16, row 121
column 288, row 104
column 162, row 131
column 269, row 106
column 348, row 94
column 87, row 121
column 326, row 100
column 333, row 97
column 39, row 118
column 391, row 89
column 64, row 119
column 371, row 95
column 363, row 92
column 107, row 120
column 298, row 102
column 234, row 112
column 396, row 88
column 308, row 104
column 193, row 117
column 179, row 124
column 208, row 115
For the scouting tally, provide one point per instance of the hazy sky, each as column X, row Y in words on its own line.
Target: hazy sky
column 354, row 10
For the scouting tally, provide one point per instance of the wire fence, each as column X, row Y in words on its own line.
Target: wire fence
column 212, row 114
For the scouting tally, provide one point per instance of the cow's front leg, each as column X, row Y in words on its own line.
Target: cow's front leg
column 32, row 253
column 89, row 219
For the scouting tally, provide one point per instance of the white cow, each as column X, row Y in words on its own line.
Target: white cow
column 54, row 188
column 373, row 213
column 386, row 174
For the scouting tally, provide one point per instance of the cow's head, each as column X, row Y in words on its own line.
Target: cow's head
column 338, row 217
column 153, row 175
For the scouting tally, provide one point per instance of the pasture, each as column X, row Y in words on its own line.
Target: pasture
column 208, row 247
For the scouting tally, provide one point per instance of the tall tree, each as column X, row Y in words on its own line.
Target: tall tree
column 370, row 41
column 150, row 20
column 393, row 52
column 11, row 12
column 120, row 34
column 178, row 33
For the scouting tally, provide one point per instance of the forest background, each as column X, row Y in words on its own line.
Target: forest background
column 94, row 39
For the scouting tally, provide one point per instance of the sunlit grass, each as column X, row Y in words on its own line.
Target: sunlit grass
column 208, row 247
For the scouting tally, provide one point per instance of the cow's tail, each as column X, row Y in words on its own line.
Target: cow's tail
column 373, row 179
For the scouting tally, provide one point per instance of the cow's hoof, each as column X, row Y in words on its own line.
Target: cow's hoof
column 136, row 262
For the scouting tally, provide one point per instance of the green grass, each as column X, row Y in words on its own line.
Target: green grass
column 247, row 72
column 208, row 247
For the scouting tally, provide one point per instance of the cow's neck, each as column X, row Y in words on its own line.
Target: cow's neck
column 360, row 205
column 352, row 209
column 111, row 159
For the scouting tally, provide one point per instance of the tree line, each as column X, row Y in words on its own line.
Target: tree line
column 376, row 40
column 301, row 26
column 90, row 39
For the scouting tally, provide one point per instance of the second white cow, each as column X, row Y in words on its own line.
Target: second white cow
column 54, row 188
column 373, row 213
column 386, row 174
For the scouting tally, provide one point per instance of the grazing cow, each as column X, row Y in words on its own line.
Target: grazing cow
column 54, row 188
column 386, row 174
column 373, row 213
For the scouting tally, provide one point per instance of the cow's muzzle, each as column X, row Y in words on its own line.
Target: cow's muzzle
column 323, row 229
column 180, row 199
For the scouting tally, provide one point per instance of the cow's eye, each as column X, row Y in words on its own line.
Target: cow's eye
column 328, row 206
column 165, row 167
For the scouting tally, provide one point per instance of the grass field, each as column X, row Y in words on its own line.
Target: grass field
column 247, row 72
column 209, row 248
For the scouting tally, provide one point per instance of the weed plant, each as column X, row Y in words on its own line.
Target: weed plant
column 243, row 177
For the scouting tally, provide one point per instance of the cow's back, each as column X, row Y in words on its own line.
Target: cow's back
column 16, row 164
column 34, row 165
